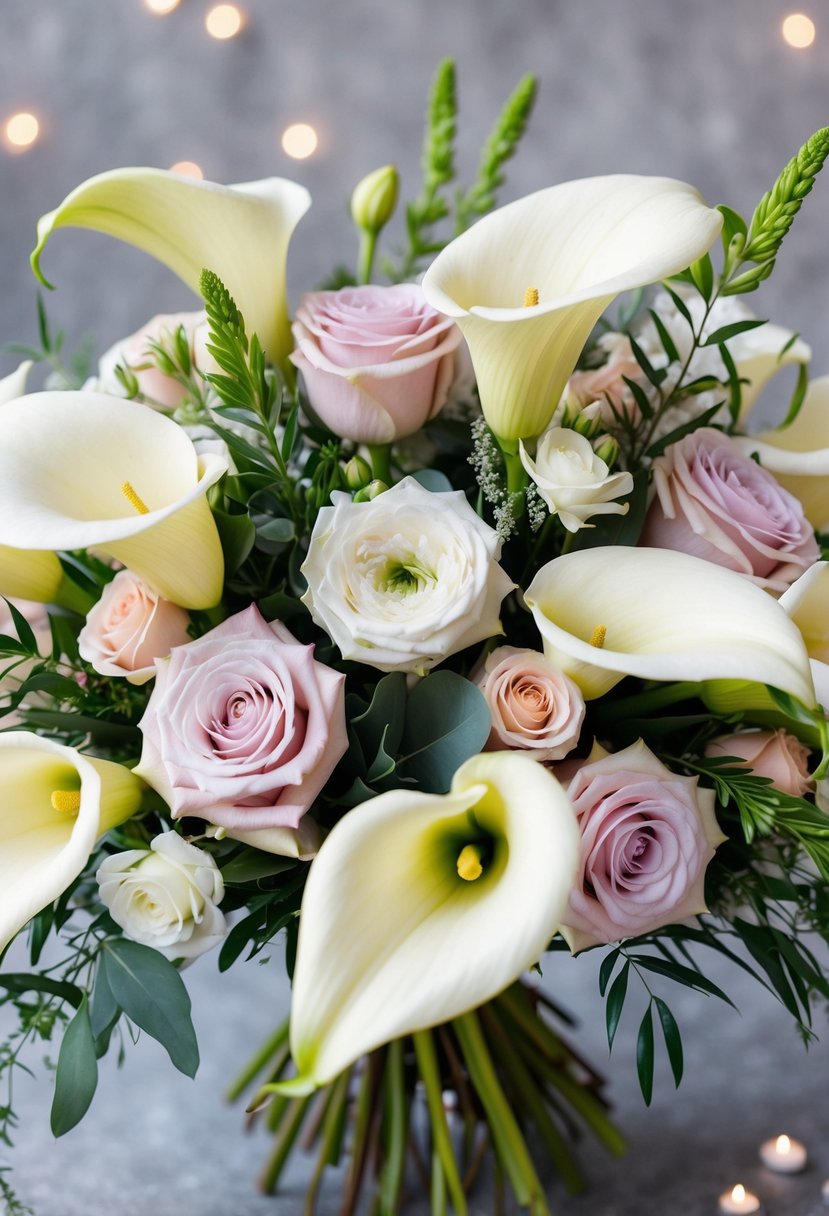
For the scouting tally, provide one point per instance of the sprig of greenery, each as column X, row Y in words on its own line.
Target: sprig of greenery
column 501, row 144
column 760, row 242
column 69, row 375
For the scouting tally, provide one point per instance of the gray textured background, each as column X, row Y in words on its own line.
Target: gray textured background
column 704, row 91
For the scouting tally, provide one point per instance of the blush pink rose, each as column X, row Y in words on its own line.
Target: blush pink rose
column 244, row 726
column 135, row 351
column 378, row 362
column 129, row 628
column 647, row 836
column 606, row 385
column 769, row 753
column 714, row 502
column 534, row 706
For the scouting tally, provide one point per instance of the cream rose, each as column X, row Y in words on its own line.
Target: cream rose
column 403, row 581
column 534, row 705
column 574, row 482
column 165, row 896
column 129, row 628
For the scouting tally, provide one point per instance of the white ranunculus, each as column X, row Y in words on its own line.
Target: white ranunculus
column 574, row 482
column 403, row 581
column 165, row 896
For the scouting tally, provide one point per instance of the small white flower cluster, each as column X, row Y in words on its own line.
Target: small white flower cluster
column 487, row 461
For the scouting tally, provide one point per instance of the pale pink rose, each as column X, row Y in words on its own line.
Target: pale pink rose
column 605, row 385
column 714, row 502
column 647, row 836
column 769, row 753
column 244, row 726
column 534, row 705
column 378, row 362
column 135, row 352
column 129, row 628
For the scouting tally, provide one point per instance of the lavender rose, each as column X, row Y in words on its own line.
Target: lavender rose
column 129, row 628
column 647, row 836
column 716, row 503
column 244, row 726
column 534, row 706
column 377, row 361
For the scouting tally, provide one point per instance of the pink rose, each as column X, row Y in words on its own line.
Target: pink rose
column 244, row 726
column 769, row 753
column 718, row 504
column 647, row 836
column 377, row 361
column 129, row 628
column 534, row 705
column 135, row 352
column 606, row 384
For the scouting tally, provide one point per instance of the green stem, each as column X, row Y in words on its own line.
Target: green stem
column 365, row 260
column 509, row 1142
column 73, row 598
column 333, row 1118
column 381, row 461
column 288, row 1132
column 438, row 1191
column 397, row 1130
column 427, row 1062
column 257, row 1063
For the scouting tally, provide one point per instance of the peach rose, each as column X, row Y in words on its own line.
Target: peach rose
column 129, row 628
column 534, row 706
column 135, row 351
column 377, row 362
column 769, row 753
column 606, row 384
column 716, row 503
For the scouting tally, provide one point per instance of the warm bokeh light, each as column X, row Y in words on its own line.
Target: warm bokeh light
column 223, row 21
column 799, row 30
column 299, row 140
column 162, row 7
column 21, row 131
column 783, row 1144
column 739, row 1193
column 188, row 168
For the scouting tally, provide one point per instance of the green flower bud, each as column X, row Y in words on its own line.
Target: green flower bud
column 608, row 451
column 374, row 199
column 371, row 491
column 357, row 473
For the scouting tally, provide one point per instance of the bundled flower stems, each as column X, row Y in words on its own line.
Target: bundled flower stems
column 466, row 619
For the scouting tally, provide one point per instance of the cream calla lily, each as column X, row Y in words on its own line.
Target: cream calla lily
column 14, row 385
column 606, row 613
column 81, row 470
column 576, row 245
column 239, row 232
column 54, row 805
column 807, row 603
column 798, row 455
column 759, row 354
column 392, row 939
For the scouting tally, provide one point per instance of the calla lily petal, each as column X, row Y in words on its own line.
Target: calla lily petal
column 759, row 354
column 65, row 460
column 578, row 245
column 393, row 940
column 798, row 455
column 807, row 603
column 239, row 232
column 43, row 848
column 606, row 613
column 14, row 385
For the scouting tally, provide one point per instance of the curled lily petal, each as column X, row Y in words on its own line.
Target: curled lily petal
column 54, row 804
column 14, row 385
column 606, row 613
column 527, row 283
column 239, row 232
column 759, row 354
column 393, row 939
column 84, row 469
column 807, row 603
column 798, row 455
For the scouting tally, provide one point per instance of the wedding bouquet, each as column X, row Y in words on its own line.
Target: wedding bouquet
column 466, row 618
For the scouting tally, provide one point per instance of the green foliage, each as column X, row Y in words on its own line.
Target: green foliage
column 77, row 1073
column 152, row 994
column 501, row 144
column 64, row 375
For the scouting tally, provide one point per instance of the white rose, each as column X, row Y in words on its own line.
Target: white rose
column 574, row 482
column 165, row 896
column 403, row 581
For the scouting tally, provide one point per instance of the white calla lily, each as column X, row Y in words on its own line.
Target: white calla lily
column 608, row 612
column 392, row 939
column 81, row 470
column 54, row 805
column 527, row 283
column 759, row 354
column 798, row 455
column 807, row 603
column 14, row 385
column 240, row 232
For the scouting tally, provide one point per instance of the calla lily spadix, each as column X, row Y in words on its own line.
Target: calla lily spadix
column 239, row 232
column 84, row 470
column 527, row 283
column 798, row 455
column 54, row 805
column 606, row 613
column 420, row 907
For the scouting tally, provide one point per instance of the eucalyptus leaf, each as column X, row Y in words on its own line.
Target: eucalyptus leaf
column 77, row 1074
column 152, row 994
column 447, row 721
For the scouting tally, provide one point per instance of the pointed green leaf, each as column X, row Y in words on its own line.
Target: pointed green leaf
column 152, row 994
column 77, row 1074
column 644, row 1055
